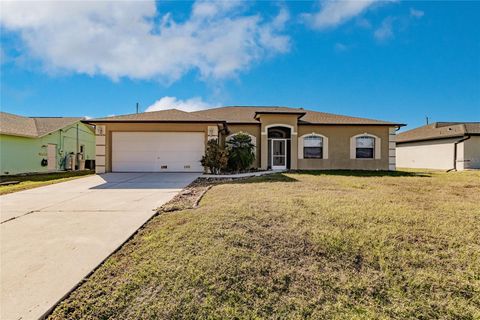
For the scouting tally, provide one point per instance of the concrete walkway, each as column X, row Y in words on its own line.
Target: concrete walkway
column 53, row 236
column 241, row 175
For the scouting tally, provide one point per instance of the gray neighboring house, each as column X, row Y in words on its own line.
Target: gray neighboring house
column 440, row 145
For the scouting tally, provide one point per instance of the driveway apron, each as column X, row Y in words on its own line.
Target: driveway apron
column 54, row 236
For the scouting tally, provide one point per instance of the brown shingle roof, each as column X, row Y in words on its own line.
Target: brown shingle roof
column 11, row 124
column 238, row 114
column 439, row 130
column 170, row 115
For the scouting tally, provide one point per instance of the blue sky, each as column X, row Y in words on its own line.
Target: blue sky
column 394, row 60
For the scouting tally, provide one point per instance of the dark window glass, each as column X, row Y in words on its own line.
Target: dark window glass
column 313, row 152
column 365, row 147
column 365, row 153
column 313, row 147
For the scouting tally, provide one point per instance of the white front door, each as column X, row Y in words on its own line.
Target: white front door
column 279, row 154
column 51, row 157
column 157, row 151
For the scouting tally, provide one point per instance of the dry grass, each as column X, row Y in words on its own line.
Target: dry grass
column 31, row 181
column 321, row 245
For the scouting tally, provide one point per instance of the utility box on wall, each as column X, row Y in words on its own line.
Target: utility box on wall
column 212, row 133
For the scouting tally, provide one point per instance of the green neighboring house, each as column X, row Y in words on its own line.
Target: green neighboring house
column 43, row 144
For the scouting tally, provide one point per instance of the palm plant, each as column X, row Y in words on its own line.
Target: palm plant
column 240, row 152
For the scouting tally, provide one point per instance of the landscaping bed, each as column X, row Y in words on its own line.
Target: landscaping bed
column 320, row 245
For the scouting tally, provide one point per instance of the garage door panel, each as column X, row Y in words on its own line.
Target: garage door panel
column 157, row 151
column 126, row 156
column 173, row 155
column 134, row 166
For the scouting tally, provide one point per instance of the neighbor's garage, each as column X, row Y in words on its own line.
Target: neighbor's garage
column 157, row 151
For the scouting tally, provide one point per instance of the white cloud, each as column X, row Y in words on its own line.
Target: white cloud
column 385, row 31
column 192, row 104
column 340, row 47
column 416, row 13
column 363, row 23
column 334, row 13
column 132, row 39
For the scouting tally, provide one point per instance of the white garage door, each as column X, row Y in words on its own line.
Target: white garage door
column 157, row 151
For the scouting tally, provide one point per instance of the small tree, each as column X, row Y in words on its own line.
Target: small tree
column 240, row 152
column 215, row 158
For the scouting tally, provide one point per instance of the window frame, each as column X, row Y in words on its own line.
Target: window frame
column 315, row 136
column 372, row 147
column 376, row 152
column 300, row 146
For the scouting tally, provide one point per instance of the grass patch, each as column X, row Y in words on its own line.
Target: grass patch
column 31, row 181
column 301, row 245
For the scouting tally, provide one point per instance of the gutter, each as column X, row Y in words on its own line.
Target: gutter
column 93, row 121
column 455, row 152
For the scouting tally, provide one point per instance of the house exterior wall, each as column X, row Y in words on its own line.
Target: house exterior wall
column 104, row 136
column 24, row 155
column 271, row 120
column 471, row 153
column 339, row 145
column 339, row 154
column 432, row 154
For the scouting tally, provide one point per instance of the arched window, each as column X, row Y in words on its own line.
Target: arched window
column 312, row 147
column 365, row 147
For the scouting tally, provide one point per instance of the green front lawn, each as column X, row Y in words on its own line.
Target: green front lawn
column 320, row 245
column 31, row 181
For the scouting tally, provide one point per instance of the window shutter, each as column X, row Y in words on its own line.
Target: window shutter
column 353, row 146
column 300, row 148
column 325, row 148
column 378, row 150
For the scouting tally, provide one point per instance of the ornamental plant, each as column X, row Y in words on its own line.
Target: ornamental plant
column 215, row 158
column 240, row 152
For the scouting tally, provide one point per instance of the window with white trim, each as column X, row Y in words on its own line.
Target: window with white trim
column 365, row 147
column 312, row 147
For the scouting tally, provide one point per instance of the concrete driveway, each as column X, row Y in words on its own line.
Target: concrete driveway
column 53, row 236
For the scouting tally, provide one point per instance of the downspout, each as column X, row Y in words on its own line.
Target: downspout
column 77, row 160
column 77, row 140
column 455, row 152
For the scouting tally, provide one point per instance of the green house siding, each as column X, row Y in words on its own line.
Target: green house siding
column 22, row 155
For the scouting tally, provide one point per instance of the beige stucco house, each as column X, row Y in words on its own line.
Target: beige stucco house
column 284, row 138
column 440, row 145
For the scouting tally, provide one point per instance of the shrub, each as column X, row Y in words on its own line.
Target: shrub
column 215, row 158
column 240, row 152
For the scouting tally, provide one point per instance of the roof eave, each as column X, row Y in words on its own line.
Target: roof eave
column 326, row 124
column 435, row 138
column 151, row 121
column 19, row 135
column 299, row 113
column 351, row 124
